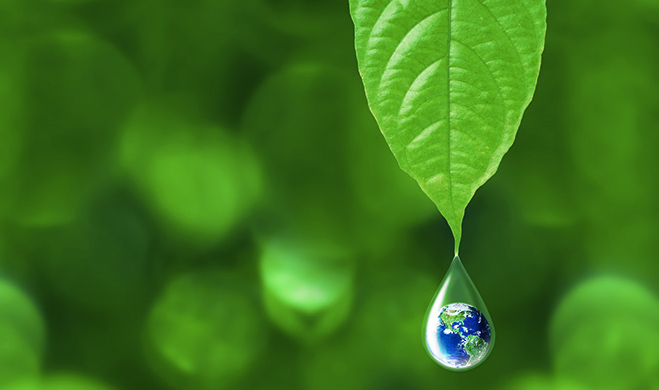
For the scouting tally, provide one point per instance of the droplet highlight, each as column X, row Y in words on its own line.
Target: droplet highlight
column 459, row 333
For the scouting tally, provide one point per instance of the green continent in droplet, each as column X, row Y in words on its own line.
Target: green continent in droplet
column 449, row 316
column 475, row 347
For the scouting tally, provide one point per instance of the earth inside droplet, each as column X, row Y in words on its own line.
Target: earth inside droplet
column 462, row 336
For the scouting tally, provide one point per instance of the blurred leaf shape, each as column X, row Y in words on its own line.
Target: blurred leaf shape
column 200, row 180
column 22, row 335
column 308, row 289
column 204, row 331
column 448, row 83
column 605, row 332
column 78, row 90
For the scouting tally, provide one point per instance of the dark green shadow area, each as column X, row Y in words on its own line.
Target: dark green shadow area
column 68, row 129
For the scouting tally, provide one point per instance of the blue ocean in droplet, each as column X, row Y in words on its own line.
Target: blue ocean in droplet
column 463, row 335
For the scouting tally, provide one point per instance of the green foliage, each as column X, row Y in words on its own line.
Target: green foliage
column 194, row 195
column 448, row 82
column 310, row 121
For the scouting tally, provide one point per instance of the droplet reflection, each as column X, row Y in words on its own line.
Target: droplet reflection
column 459, row 331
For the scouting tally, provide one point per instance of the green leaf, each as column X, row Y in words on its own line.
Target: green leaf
column 448, row 82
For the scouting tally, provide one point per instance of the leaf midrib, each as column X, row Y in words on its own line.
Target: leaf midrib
column 448, row 103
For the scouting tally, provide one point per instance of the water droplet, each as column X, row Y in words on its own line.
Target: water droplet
column 459, row 333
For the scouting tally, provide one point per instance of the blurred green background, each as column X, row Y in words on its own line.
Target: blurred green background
column 194, row 195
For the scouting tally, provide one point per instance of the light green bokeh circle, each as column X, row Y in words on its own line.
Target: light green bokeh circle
column 61, row 381
column 22, row 335
column 307, row 289
column 199, row 180
column 308, row 279
column 605, row 334
column 204, row 331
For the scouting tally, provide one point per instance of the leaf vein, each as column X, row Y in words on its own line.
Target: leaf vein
column 496, row 82
column 519, row 57
column 377, row 21
column 411, row 90
column 405, row 37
